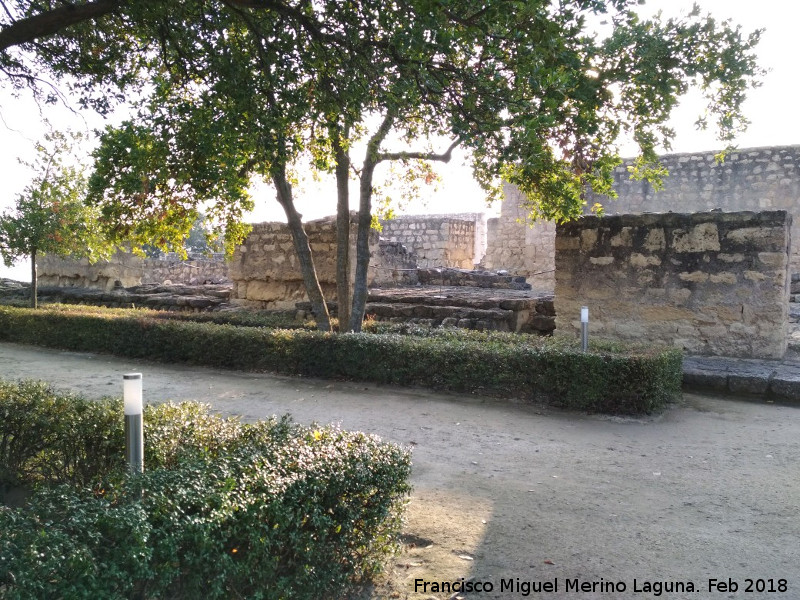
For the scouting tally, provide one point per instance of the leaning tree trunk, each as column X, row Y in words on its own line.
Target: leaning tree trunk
column 342, row 231
column 362, row 246
column 304, row 255
column 371, row 160
column 34, row 281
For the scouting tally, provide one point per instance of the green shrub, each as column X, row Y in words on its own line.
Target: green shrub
column 297, row 521
column 56, row 437
column 270, row 319
column 224, row 509
column 68, row 543
column 607, row 379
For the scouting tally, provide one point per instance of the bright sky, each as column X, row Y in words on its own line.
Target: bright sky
column 770, row 108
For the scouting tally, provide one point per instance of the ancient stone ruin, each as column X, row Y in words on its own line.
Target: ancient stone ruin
column 127, row 270
column 710, row 283
column 748, row 180
column 712, row 277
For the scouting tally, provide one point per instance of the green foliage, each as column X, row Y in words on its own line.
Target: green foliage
column 530, row 90
column 266, row 510
column 248, row 318
column 56, row 437
column 70, row 543
column 49, row 216
column 243, row 89
column 279, row 512
column 605, row 380
column 149, row 193
column 273, row 320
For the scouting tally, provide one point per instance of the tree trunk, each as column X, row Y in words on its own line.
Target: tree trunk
column 303, row 250
column 342, row 229
column 34, row 281
column 362, row 249
column 365, row 222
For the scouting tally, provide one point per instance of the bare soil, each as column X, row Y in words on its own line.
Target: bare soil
column 511, row 493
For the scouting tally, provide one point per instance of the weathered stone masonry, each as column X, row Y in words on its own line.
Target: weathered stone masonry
column 749, row 179
column 522, row 248
column 439, row 240
column 127, row 270
column 266, row 272
column 711, row 283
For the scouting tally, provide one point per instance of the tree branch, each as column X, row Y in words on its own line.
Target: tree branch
column 444, row 157
column 48, row 23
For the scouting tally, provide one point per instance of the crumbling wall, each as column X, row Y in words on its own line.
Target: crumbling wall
column 711, row 283
column 266, row 271
column 439, row 240
column 519, row 246
column 750, row 179
column 127, row 270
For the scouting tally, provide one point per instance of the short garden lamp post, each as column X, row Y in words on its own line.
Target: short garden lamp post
column 134, row 435
column 585, row 328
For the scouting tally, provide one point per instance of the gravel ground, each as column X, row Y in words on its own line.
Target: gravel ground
column 520, row 497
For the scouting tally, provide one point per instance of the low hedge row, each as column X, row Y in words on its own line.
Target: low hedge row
column 603, row 380
column 223, row 510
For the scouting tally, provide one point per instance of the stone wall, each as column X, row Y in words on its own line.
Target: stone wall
column 711, row 283
column 749, row 179
column 393, row 266
column 439, row 240
column 266, row 272
column 126, row 270
column 518, row 246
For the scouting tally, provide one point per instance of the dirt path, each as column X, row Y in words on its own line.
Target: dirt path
column 527, row 495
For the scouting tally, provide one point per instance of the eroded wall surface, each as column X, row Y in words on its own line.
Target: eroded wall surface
column 266, row 271
column 711, row 283
column 749, row 179
column 519, row 246
column 126, row 270
column 439, row 240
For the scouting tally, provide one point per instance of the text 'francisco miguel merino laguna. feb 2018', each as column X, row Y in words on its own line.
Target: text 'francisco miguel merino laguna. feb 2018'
column 554, row 586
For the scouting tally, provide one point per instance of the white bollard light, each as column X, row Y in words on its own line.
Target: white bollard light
column 585, row 328
column 134, row 433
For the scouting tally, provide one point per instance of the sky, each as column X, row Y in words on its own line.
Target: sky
column 771, row 109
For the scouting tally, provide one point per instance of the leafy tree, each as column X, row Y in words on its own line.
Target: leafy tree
column 246, row 87
column 201, row 238
column 50, row 216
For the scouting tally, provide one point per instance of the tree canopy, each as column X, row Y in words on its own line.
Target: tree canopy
column 242, row 88
column 50, row 216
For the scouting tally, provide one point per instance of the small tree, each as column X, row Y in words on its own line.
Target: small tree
column 49, row 215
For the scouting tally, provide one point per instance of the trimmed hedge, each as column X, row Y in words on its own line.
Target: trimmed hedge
column 607, row 379
column 55, row 437
column 268, row 510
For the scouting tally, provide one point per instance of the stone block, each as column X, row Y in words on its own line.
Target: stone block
column 730, row 258
column 703, row 237
column 623, row 238
column 588, row 238
column 773, row 259
column 694, row 276
column 757, row 237
column 786, row 385
column 754, row 276
column 655, row 240
column 567, row 243
column 641, row 260
column 756, row 383
column 725, row 278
